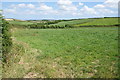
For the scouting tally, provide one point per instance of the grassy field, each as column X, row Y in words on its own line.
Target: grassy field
column 73, row 22
column 20, row 22
column 60, row 53
column 90, row 22
column 104, row 21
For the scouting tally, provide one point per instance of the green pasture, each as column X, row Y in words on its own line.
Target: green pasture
column 73, row 22
column 101, row 21
column 20, row 22
column 65, row 53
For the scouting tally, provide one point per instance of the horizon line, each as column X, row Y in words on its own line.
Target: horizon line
column 62, row 19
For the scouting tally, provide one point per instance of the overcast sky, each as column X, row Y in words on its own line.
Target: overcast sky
column 60, row 9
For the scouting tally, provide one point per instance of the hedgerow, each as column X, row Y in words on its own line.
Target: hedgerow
column 40, row 26
column 6, row 39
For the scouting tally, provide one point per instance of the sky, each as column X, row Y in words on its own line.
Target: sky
column 59, row 9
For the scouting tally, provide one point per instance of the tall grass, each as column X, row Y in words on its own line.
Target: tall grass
column 71, row 53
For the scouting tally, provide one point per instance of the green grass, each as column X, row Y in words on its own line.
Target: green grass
column 104, row 21
column 73, row 22
column 20, row 22
column 53, row 53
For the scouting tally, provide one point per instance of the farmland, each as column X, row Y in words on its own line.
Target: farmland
column 104, row 21
column 78, row 52
column 20, row 22
column 90, row 21
column 73, row 22
column 65, row 53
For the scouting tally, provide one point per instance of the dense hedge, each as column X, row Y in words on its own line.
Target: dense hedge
column 0, row 36
column 39, row 26
column 99, row 25
column 6, row 39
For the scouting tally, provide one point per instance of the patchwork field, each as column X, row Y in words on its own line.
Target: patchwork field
column 89, row 22
column 73, row 22
column 60, row 53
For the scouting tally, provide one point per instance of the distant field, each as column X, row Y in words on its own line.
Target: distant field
column 73, row 22
column 80, row 53
column 104, row 21
column 20, row 22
